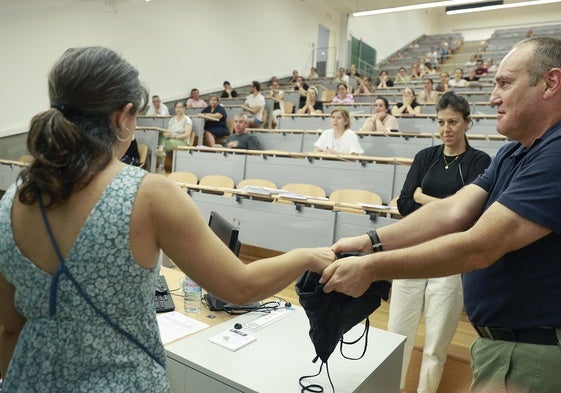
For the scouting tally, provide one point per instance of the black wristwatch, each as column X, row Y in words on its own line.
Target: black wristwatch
column 375, row 240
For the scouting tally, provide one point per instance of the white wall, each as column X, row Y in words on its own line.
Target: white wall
column 388, row 32
column 179, row 44
column 175, row 44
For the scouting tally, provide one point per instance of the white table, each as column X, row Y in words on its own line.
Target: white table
column 282, row 353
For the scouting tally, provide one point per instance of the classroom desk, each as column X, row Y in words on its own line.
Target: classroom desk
column 282, row 353
column 383, row 175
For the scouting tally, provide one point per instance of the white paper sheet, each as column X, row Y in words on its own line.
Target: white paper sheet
column 174, row 325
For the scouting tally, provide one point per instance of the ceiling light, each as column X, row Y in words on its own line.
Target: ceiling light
column 433, row 4
column 500, row 7
column 471, row 6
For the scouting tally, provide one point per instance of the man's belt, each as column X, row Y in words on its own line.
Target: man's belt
column 541, row 336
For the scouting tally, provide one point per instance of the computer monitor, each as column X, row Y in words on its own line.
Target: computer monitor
column 226, row 231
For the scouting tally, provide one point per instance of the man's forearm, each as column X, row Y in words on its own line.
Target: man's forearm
column 432, row 220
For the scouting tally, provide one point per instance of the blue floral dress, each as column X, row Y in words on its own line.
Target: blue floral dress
column 67, row 346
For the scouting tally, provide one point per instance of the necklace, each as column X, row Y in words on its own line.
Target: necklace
column 446, row 163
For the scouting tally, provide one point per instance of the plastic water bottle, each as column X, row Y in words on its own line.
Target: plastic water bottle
column 192, row 293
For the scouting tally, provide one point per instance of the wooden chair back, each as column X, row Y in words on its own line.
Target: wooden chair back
column 257, row 183
column 220, row 181
column 142, row 154
column 327, row 95
column 183, row 177
column 353, row 197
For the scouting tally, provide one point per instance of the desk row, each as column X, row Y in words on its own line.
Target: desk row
column 382, row 175
column 284, row 227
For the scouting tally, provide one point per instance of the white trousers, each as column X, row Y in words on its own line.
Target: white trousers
column 441, row 301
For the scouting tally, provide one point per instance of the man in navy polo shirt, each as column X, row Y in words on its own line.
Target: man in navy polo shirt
column 503, row 232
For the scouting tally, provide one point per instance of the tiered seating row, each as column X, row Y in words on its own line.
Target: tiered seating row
column 483, row 124
column 285, row 227
column 382, row 175
column 378, row 144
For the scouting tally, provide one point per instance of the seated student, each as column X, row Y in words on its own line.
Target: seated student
column 428, row 95
column 458, row 79
column 480, row 68
column 240, row 139
column 471, row 77
column 194, row 101
column 343, row 96
column 353, row 71
column 214, row 128
column 313, row 73
column 278, row 101
column 408, row 104
column 157, row 108
column 402, row 76
column 384, row 80
column 340, row 139
column 429, row 69
column 178, row 134
column 228, row 92
column 312, row 106
column 365, row 85
column 341, row 77
column 294, row 77
column 382, row 119
column 302, row 87
column 254, row 105
column 444, row 84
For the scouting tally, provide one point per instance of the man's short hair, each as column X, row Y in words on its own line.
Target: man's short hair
column 241, row 115
column 257, row 85
column 547, row 55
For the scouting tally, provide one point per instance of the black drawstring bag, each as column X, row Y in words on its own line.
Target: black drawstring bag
column 333, row 314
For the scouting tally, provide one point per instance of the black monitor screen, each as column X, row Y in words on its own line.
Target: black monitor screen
column 226, row 231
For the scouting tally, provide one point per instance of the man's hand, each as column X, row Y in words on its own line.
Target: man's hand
column 350, row 276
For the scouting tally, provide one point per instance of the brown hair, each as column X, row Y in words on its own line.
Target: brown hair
column 73, row 140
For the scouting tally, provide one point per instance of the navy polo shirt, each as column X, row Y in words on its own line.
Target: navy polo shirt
column 523, row 288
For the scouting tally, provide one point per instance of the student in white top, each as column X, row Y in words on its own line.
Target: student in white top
column 458, row 79
column 157, row 108
column 254, row 105
column 340, row 139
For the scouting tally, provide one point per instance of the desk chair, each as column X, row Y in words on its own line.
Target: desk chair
column 221, row 139
column 288, row 107
column 26, row 159
column 257, row 183
column 309, row 190
column 183, row 177
column 350, row 199
column 219, row 181
column 142, row 154
column 327, row 95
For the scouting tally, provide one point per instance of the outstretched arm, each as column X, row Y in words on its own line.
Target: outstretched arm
column 451, row 251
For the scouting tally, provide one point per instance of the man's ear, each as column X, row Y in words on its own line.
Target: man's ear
column 552, row 83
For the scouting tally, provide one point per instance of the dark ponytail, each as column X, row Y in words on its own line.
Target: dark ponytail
column 74, row 140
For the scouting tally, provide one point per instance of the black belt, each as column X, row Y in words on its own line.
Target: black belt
column 541, row 336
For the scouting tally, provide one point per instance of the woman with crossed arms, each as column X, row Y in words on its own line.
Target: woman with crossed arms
column 382, row 120
column 436, row 172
